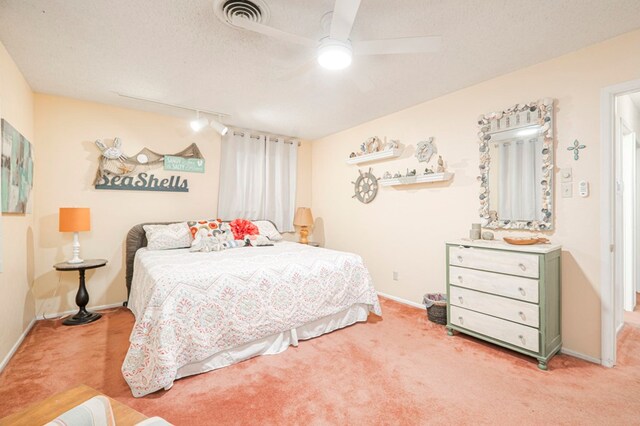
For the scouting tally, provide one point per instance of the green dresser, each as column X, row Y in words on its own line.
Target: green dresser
column 506, row 294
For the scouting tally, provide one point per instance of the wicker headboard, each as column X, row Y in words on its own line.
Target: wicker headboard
column 136, row 239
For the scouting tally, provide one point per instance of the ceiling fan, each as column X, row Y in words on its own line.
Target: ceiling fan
column 336, row 51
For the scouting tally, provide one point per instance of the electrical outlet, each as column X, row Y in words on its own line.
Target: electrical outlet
column 566, row 175
column 567, row 190
column 395, row 276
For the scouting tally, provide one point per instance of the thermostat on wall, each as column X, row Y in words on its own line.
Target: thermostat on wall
column 583, row 188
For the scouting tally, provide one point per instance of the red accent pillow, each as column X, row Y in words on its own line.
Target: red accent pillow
column 242, row 228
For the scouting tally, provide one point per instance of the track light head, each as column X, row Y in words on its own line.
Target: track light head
column 199, row 124
column 219, row 127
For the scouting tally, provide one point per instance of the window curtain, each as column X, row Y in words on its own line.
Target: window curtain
column 258, row 179
column 520, row 193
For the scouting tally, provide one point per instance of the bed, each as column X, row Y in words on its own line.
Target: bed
column 196, row 312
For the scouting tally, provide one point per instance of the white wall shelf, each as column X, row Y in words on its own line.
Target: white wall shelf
column 410, row 180
column 375, row 156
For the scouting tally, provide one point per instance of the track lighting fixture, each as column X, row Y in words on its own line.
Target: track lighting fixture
column 219, row 127
column 199, row 122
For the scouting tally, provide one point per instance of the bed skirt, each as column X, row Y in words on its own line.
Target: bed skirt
column 277, row 343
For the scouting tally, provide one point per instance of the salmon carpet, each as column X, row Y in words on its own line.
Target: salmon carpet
column 400, row 369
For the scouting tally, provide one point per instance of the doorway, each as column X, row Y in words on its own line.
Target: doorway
column 620, row 250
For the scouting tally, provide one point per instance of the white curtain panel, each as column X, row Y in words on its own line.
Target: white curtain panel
column 520, row 193
column 258, row 179
column 280, row 183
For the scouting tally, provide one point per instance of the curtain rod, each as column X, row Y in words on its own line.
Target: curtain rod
column 290, row 141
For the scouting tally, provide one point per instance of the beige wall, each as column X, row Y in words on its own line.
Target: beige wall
column 16, row 299
column 66, row 165
column 404, row 229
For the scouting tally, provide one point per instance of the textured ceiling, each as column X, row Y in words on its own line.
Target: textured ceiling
column 179, row 52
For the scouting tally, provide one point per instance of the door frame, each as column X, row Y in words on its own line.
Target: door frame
column 607, row 219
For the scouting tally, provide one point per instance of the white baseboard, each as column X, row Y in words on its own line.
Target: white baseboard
column 74, row 311
column 580, row 356
column 15, row 347
column 401, row 300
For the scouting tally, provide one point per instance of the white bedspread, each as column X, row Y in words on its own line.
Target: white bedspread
column 189, row 306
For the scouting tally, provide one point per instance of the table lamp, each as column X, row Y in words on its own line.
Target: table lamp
column 303, row 219
column 75, row 219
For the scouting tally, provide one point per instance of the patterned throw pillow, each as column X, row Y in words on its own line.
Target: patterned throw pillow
column 212, row 226
column 268, row 229
column 165, row 237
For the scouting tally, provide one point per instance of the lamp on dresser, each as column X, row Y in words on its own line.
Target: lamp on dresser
column 303, row 219
column 75, row 219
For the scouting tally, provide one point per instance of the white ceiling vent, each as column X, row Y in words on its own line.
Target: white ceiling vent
column 253, row 10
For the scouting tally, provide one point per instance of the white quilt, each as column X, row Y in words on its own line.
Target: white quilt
column 189, row 306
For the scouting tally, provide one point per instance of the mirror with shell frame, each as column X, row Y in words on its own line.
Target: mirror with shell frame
column 516, row 167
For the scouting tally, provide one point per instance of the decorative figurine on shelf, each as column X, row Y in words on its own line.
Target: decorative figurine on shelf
column 425, row 150
column 373, row 144
column 397, row 175
column 411, row 173
column 353, row 154
column 387, row 175
column 363, row 148
column 392, row 144
column 428, row 171
column 440, row 168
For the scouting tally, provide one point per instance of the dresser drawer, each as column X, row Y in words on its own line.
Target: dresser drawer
column 506, row 331
column 523, row 264
column 509, row 309
column 504, row 285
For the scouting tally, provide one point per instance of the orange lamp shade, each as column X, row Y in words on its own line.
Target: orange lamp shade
column 303, row 217
column 75, row 219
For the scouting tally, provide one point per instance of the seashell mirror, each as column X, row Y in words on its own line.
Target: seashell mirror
column 516, row 167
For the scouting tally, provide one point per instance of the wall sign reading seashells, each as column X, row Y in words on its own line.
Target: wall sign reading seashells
column 516, row 167
column 146, row 170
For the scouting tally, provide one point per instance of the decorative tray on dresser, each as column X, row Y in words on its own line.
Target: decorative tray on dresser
column 506, row 294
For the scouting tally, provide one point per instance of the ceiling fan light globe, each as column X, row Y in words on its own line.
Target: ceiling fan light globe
column 334, row 54
column 199, row 124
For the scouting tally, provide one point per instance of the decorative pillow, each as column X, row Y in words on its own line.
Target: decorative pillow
column 257, row 240
column 216, row 240
column 211, row 225
column 242, row 227
column 268, row 229
column 95, row 411
column 164, row 237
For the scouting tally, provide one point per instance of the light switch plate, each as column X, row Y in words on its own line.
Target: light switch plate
column 566, row 175
column 567, row 190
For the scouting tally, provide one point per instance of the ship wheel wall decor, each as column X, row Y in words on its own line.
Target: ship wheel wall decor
column 365, row 187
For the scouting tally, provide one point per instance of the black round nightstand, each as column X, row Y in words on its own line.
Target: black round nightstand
column 82, row 297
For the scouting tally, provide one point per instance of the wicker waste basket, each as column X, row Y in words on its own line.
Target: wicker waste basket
column 436, row 304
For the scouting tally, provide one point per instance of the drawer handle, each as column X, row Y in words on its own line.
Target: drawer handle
column 460, row 299
column 522, row 315
column 521, row 265
column 460, row 278
column 461, row 320
column 522, row 339
column 522, row 292
column 460, row 259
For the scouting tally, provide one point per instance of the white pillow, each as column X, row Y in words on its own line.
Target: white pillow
column 268, row 229
column 164, row 237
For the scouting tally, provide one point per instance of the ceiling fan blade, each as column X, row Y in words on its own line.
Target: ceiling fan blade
column 273, row 32
column 344, row 14
column 393, row 46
